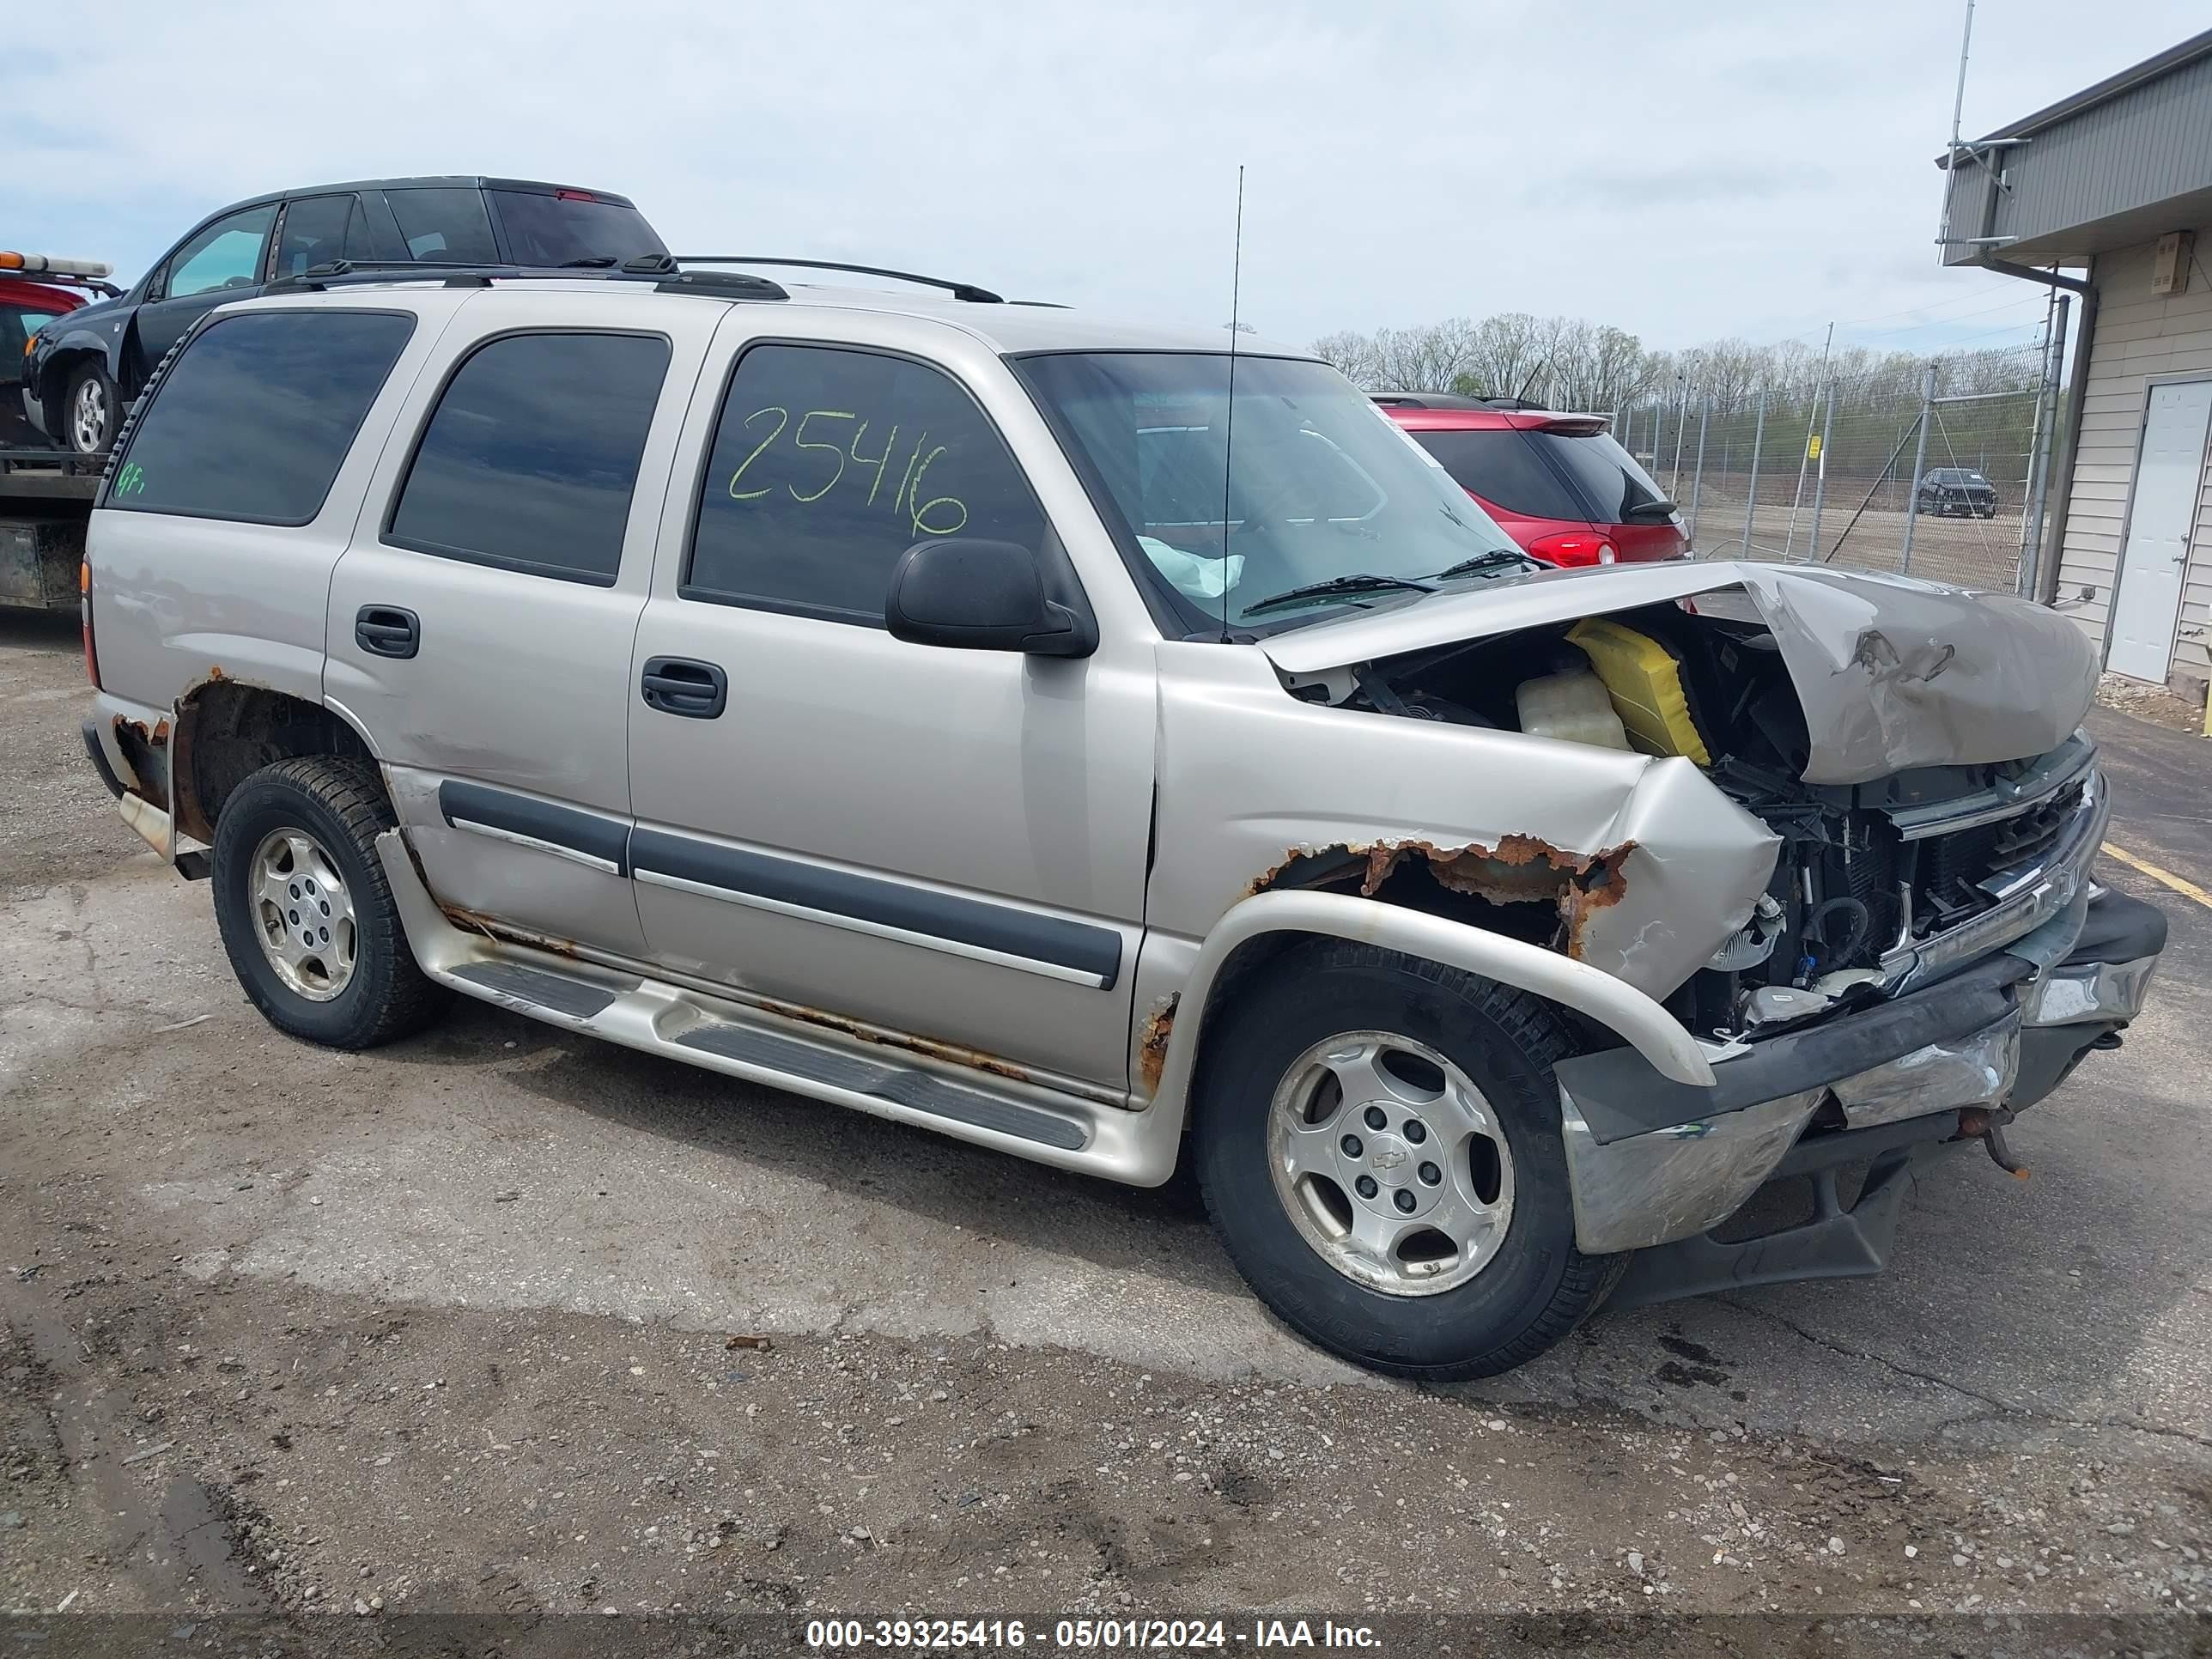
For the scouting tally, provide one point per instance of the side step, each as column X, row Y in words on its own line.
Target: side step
column 898, row 1085
column 1029, row 1118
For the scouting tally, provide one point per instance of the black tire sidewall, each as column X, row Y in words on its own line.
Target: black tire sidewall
column 1459, row 1332
column 262, row 804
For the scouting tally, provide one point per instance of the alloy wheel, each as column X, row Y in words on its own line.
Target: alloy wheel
column 1391, row 1163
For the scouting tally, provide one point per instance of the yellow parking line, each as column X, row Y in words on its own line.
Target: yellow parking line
column 2186, row 888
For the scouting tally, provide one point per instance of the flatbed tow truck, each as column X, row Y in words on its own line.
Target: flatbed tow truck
column 46, row 502
column 46, row 491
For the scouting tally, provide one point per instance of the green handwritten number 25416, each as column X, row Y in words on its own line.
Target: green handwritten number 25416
column 937, row 515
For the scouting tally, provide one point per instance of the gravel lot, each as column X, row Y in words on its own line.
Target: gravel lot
column 504, row 1321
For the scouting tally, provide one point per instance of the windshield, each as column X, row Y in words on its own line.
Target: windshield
column 1323, row 486
column 544, row 229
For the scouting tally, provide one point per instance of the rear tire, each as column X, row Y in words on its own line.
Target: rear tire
column 90, row 410
column 1505, row 1297
column 307, row 916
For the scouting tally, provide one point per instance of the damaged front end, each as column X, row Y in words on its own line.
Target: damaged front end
column 1840, row 826
column 1911, row 751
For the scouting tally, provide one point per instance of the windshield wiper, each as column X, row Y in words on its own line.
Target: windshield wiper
column 1360, row 581
column 592, row 262
column 1497, row 558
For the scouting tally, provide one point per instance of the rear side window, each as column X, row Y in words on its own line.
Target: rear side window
column 530, row 457
column 319, row 229
column 1505, row 469
column 444, row 227
column 253, row 420
column 1602, row 470
column 827, row 464
column 572, row 228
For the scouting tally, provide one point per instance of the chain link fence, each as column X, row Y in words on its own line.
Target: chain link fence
column 1935, row 475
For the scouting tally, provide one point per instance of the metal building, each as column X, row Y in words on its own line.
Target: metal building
column 2112, row 187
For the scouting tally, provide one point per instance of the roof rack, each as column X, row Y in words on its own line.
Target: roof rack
column 958, row 290
column 651, row 267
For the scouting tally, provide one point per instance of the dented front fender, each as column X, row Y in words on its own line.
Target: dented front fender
column 1642, row 867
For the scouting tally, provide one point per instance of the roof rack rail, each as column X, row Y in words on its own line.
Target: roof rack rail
column 665, row 277
column 958, row 290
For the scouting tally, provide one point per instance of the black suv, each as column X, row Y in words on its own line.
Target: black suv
column 1960, row 490
column 86, row 368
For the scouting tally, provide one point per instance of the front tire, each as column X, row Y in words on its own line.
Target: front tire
column 1377, row 1140
column 307, row 916
column 90, row 409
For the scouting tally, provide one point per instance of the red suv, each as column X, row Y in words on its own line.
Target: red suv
column 34, row 291
column 1558, row 485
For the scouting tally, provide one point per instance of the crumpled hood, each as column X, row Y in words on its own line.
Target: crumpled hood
column 1893, row 673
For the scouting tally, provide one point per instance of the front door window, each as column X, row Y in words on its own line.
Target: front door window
column 227, row 255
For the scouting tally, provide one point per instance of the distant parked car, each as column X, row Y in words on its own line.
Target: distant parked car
column 34, row 289
column 1559, row 484
column 1957, row 490
column 80, row 375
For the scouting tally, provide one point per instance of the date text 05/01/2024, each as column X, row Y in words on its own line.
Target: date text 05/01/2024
column 1131, row 1632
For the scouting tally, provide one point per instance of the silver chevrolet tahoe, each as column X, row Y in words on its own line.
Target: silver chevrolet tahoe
column 1079, row 741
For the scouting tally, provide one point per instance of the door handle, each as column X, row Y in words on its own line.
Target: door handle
column 387, row 630
column 682, row 685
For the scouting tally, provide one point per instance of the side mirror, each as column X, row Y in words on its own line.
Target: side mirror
column 981, row 595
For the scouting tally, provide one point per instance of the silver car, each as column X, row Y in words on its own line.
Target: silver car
column 983, row 716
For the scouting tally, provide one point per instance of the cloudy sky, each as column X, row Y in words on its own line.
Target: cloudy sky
column 1683, row 168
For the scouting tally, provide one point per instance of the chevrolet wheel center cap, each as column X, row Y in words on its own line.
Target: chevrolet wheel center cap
column 1388, row 1159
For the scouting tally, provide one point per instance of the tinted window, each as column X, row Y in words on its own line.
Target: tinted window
column 18, row 324
column 544, row 229
column 1605, row 472
column 827, row 464
column 445, row 226
column 253, row 419
column 1506, row 468
column 318, row 230
column 530, row 458
column 226, row 255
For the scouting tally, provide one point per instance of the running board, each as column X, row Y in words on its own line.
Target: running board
column 1029, row 1119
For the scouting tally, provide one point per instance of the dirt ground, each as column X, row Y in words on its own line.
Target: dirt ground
column 503, row 1322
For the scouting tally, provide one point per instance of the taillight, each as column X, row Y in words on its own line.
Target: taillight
column 574, row 195
column 84, row 620
column 1574, row 547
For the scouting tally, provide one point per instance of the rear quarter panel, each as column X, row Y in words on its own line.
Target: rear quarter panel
column 179, row 601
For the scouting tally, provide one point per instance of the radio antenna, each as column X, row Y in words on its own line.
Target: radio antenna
column 1229, row 421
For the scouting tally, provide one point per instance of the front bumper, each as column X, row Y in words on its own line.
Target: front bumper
column 2000, row 1034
